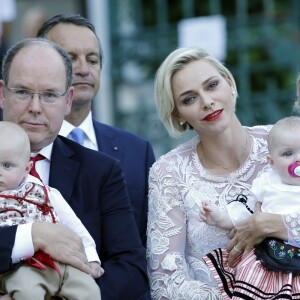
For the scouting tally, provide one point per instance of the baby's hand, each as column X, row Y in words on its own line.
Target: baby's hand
column 209, row 213
column 96, row 270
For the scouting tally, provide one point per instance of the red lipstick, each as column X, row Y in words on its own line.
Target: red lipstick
column 213, row 116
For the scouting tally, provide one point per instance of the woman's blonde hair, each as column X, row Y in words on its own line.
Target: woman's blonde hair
column 297, row 102
column 164, row 99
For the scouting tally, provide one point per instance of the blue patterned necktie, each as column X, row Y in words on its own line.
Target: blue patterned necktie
column 77, row 135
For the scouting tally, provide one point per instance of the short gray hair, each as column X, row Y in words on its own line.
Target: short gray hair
column 14, row 50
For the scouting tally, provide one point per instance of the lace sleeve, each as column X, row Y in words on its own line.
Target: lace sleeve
column 169, row 272
column 292, row 224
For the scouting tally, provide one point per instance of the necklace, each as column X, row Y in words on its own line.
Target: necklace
column 203, row 157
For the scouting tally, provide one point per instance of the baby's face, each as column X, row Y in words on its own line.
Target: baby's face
column 286, row 150
column 12, row 167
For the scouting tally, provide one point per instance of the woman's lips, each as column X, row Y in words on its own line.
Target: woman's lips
column 213, row 116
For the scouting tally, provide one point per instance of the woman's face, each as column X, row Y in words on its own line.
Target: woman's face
column 203, row 98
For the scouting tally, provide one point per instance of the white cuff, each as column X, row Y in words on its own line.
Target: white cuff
column 91, row 254
column 23, row 247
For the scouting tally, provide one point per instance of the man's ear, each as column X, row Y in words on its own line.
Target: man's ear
column 2, row 86
column 69, row 102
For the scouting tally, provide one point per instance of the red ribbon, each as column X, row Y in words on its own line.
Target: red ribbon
column 42, row 257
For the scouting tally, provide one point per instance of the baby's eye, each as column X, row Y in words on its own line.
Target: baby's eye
column 287, row 153
column 7, row 165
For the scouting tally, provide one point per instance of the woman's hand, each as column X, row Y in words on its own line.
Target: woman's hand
column 260, row 225
column 244, row 236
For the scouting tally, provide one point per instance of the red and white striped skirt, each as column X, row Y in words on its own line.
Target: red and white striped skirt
column 249, row 279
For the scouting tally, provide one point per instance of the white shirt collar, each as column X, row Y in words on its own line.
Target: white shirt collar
column 86, row 126
column 46, row 151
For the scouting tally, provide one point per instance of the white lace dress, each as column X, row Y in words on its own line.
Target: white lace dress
column 177, row 238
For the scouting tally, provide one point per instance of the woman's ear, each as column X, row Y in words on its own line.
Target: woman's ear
column 230, row 83
column 177, row 116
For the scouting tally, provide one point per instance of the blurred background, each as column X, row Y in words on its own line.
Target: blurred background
column 258, row 40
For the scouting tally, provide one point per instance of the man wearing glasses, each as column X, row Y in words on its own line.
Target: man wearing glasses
column 36, row 93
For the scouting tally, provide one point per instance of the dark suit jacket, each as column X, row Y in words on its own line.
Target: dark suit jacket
column 136, row 157
column 93, row 184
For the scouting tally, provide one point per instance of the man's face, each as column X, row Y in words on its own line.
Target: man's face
column 83, row 47
column 37, row 68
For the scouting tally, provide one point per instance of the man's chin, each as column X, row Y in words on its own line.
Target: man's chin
column 81, row 101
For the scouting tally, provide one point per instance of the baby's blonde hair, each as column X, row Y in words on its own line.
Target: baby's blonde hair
column 286, row 123
column 15, row 134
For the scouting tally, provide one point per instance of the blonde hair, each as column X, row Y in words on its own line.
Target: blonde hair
column 164, row 99
column 286, row 123
column 15, row 133
column 297, row 102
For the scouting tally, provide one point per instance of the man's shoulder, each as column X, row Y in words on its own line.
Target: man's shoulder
column 111, row 131
column 72, row 148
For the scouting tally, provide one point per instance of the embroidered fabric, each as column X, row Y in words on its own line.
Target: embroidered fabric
column 25, row 204
column 275, row 255
column 177, row 239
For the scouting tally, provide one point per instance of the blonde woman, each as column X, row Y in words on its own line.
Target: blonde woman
column 193, row 90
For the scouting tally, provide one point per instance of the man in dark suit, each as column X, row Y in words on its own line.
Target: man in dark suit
column 78, row 37
column 36, row 93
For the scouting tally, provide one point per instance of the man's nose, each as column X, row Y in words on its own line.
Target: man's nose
column 81, row 67
column 35, row 102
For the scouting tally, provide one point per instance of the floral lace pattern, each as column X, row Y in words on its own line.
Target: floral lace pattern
column 177, row 239
column 292, row 222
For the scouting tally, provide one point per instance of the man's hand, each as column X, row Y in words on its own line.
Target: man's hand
column 61, row 243
column 96, row 270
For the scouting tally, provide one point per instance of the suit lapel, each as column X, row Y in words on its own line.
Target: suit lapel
column 107, row 141
column 63, row 170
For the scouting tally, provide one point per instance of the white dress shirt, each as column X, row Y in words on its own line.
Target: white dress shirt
column 90, row 140
column 23, row 247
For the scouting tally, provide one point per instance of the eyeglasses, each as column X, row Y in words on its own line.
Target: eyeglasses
column 47, row 97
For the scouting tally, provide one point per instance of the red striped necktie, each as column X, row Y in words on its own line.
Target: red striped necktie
column 33, row 171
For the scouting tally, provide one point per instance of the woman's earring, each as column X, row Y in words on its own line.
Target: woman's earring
column 233, row 92
column 181, row 123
